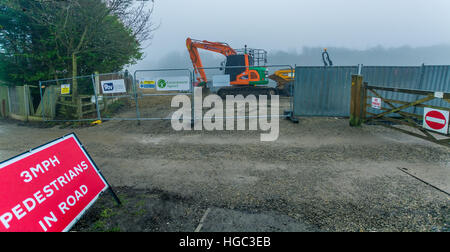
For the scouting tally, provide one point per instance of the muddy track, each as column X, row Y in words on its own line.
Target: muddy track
column 320, row 175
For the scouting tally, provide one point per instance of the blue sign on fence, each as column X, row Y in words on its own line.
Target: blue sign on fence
column 114, row 86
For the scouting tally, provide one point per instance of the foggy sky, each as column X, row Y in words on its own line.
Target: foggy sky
column 293, row 26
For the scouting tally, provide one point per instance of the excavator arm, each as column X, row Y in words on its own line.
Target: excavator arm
column 193, row 46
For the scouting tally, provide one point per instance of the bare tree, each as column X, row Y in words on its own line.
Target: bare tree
column 135, row 16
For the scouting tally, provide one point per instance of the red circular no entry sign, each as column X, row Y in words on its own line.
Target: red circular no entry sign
column 435, row 119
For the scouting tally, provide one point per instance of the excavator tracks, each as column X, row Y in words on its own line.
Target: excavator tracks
column 247, row 90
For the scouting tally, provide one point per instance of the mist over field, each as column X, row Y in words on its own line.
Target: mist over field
column 407, row 56
column 312, row 56
column 382, row 32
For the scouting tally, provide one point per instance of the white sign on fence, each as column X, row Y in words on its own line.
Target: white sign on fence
column 439, row 94
column 221, row 80
column 113, row 86
column 376, row 103
column 173, row 83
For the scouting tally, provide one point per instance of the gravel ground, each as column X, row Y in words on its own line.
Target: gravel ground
column 320, row 175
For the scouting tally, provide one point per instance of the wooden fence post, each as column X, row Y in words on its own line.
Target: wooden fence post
column 26, row 102
column 9, row 102
column 364, row 101
column 79, row 104
column 3, row 108
column 356, row 103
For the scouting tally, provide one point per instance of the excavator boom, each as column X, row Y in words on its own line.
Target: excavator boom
column 218, row 47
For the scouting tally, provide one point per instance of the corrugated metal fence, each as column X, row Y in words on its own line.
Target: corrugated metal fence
column 325, row 91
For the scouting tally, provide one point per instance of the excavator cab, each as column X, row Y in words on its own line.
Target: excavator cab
column 245, row 69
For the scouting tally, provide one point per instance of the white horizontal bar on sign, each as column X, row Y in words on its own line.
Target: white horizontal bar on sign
column 435, row 120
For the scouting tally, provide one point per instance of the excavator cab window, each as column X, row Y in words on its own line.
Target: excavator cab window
column 233, row 65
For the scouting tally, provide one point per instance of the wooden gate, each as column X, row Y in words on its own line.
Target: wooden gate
column 404, row 115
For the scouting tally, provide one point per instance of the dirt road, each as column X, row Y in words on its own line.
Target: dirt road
column 320, row 175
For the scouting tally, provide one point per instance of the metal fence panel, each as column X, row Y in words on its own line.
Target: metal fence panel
column 435, row 78
column 323, row 91
column 115, row 102
column 426, row 78
column 60, row 103
column 285, row 94
column 393, row 76
column 318, row 91
column 155, row 89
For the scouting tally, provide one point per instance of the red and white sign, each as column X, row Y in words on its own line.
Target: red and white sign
column 376, row 103
column 436, row 120
column 49, row 188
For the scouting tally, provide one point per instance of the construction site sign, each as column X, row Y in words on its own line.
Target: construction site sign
column 65, row 89
column 436, row 120
column 221, row 80
column 48, row 188
column 173, row 83
column 114, row 86
column 147, row 84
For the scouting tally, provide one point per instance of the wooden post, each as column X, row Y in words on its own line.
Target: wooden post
column 74, row 76
column 97, row 82
column 364, row 101
column 356, row 101
column 4, row 108
column 79, row 108
column 25, row 100
column 9, row 102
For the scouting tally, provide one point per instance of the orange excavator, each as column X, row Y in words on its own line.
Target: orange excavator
column 243, row 66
